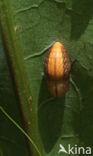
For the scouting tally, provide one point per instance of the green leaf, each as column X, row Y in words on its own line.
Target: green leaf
column 29, row 27
column 12, row 142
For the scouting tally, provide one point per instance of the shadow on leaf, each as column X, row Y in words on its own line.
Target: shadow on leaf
column 50, row 117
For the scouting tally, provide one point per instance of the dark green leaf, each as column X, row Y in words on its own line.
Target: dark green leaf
column 30, row 27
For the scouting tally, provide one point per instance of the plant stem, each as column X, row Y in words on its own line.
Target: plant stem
column 18, row 126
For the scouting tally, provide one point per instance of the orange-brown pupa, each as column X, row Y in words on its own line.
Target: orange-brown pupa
column 57, row 70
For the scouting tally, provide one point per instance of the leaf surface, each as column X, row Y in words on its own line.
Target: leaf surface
column 31, row 26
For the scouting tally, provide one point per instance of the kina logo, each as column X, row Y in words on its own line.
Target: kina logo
column 74, row 150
